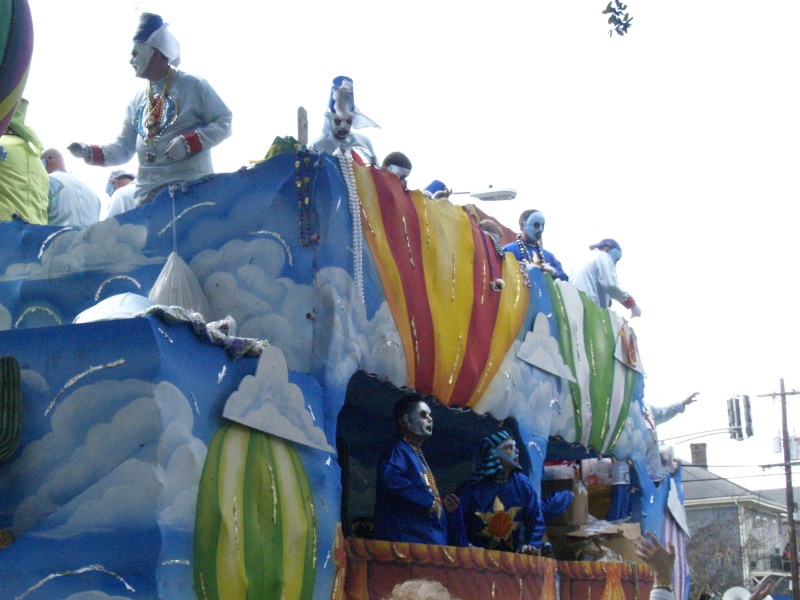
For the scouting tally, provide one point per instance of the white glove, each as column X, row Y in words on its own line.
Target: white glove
column 636, row 311
column 80, row 150
column 550, row 269
column 176, row 150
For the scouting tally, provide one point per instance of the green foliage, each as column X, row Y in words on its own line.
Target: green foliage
column 619, row 20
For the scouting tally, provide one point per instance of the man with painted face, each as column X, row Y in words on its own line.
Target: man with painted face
column 408, row 507
column 399, row 164
column 501, row 509
column 597, row 278
column 342, row 116
column 527, row 248
column 170, row 124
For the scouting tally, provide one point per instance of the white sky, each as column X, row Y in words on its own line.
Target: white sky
column 679, row 140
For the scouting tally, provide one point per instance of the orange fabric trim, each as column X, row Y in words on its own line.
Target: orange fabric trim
column 375, row 567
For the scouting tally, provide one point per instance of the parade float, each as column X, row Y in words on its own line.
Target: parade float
column 225, row 448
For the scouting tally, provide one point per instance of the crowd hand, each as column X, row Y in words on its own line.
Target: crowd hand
column 176, row 150
column 761, row 591
column 528, row 549
column 80, row 150
column 636, row 311
column 690, row 399
column 445, row 193
column 451, row 502
column 659, row 559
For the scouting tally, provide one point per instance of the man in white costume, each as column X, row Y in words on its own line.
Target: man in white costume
column 71, row 201
column 342, row 116
column 170, row 124
column 597, row 278
column 121, row 188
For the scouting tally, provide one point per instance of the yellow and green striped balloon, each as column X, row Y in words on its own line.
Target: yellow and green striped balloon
column 255, row 533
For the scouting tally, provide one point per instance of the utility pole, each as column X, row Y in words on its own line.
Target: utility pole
column 787, row 468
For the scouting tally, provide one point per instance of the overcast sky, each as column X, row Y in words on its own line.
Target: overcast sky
column 679, row 140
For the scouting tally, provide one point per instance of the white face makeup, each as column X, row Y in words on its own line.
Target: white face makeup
column 140, row 58
column 419, row 420
column 340, row 125
column 508, row 454
column 400, row 172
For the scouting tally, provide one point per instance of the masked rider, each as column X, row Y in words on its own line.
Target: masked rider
column 597, row 278
column 170, row 124
column 501, row 509
column 340, row 120
column 408, row 507
column 528, row 249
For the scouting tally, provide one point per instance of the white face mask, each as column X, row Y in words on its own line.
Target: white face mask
column 508, row 454
column 419, row 420
column 140, row 57
column 340, row 125
column 615, row 254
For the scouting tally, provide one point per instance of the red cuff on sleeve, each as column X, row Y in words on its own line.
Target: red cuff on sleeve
column 97, row 156
column 193, row 141
column 629, row 301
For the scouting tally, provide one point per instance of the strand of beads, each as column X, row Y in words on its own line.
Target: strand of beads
column 302, row 166
column 531, row 253
column 354, row 202
column 155, row 107
column 430, row 479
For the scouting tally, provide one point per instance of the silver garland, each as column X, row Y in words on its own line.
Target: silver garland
column 354, row 202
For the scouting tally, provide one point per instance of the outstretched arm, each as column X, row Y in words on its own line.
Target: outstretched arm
column 761, row 591
column 661, row 562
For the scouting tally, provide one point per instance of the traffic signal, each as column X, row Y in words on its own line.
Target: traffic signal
column 748, row 419
column 735, row 418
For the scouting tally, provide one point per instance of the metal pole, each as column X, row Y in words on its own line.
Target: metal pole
column 789, row 497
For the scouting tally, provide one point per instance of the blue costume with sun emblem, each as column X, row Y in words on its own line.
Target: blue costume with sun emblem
column 500, row 514
column 405, row 495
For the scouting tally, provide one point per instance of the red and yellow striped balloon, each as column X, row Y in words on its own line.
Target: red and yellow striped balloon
column 436, row 273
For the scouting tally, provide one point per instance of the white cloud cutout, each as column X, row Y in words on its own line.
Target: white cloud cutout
column 104, row 245
column 541, row 350
column 269, row 402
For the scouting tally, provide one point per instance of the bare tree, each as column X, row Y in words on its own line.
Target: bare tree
column 715, row 556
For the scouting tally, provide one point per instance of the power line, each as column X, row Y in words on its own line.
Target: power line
column 685, row 481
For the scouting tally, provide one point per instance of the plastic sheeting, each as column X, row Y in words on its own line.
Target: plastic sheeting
column 178, row 286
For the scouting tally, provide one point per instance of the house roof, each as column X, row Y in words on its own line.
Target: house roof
column 779, row 495
column 701, row 486
column 699, row 483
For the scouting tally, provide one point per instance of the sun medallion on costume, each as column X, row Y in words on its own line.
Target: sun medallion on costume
column 158, row 113
column 499, row 525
